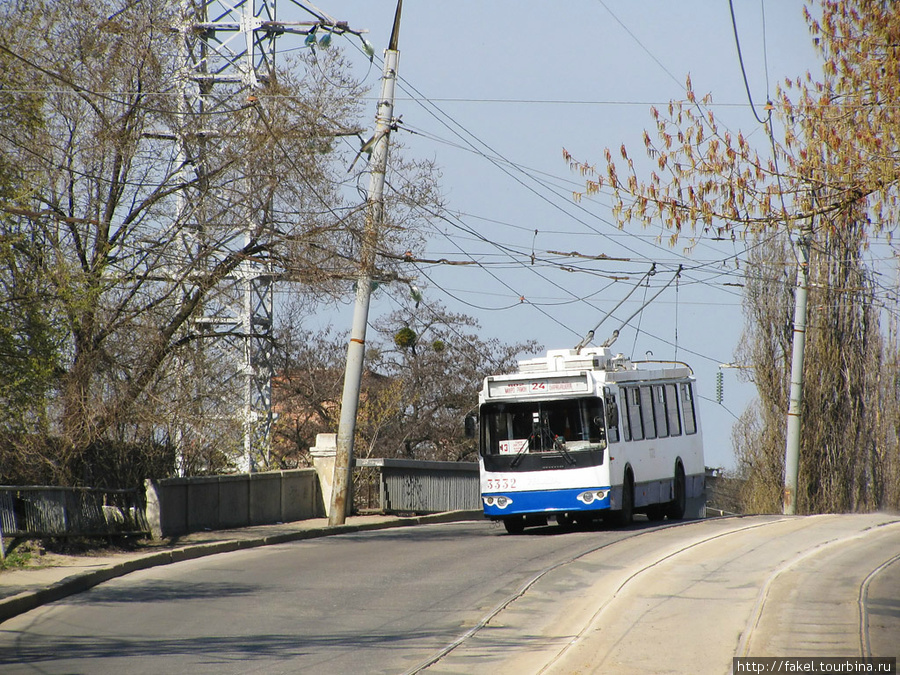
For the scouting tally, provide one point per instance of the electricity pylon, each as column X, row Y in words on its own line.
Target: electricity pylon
column 229, row 53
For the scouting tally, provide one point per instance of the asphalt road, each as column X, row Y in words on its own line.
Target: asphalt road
column 468, row 598
column 374, row 602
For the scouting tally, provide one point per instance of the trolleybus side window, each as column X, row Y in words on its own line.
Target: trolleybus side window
column 672, row 410
column 634, row 413
column 647, row 411
column 626, row 423
column 612, row 418
column 687, row 405
column 659, row 411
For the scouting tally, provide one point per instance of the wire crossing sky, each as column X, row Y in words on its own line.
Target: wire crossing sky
column 495, row 92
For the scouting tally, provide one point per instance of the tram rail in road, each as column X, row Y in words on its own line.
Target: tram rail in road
column 469, row 598
column 699, row 595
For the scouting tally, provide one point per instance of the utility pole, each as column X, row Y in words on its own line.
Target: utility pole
column 384, row 121
column 792, row 445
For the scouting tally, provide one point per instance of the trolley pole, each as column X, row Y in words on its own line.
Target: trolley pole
column 792, row 445
column 342, row 480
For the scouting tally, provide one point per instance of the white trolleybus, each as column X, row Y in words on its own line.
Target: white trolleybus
column 581, row 434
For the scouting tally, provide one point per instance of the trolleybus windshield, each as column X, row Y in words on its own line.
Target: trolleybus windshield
column 542, row 426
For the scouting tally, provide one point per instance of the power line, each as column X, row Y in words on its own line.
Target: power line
column 737, row 43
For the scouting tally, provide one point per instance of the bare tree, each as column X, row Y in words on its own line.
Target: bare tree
column 832, row 180
column 441, row 361
column 841, row 397
column 425, row 366
column 131, row 206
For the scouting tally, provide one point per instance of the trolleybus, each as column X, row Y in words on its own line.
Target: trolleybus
column 584, row 434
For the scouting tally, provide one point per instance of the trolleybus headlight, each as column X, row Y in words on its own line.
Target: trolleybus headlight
column 591, row 496
column 500, row 502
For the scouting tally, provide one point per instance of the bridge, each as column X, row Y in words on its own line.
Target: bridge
column 465, row 597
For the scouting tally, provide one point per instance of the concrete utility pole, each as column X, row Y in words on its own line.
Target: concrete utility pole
column 384, row 122
column 792, row 445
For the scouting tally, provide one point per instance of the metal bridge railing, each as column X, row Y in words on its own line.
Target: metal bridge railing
column 36, row 511
column 396, row 486
column 420, row 486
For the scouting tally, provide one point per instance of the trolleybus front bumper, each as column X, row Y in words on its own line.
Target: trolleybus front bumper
column 505, row 504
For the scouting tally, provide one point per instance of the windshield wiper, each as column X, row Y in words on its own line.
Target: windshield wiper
column 544, row 433
column 560, row 444
column 521, row 453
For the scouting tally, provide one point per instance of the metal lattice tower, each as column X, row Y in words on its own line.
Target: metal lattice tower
column 228, row 53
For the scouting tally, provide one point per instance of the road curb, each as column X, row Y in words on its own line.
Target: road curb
column 78, row 583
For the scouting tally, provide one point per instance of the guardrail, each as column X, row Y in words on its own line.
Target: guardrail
column 37, row 511
column 175, row 506
column 421, row 486
column 178, row 506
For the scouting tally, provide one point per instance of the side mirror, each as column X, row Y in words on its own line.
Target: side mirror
column 471, row 425
column 612, row 413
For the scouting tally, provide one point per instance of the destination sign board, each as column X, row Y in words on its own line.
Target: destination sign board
column 538, row 387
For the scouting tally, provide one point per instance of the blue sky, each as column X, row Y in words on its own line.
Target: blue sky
column 493, row 91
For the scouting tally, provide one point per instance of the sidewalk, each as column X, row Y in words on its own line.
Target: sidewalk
column 25, row 589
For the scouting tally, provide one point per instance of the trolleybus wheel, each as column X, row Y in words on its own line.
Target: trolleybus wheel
column 515, row 525
column 676, row 507
column 626, row 515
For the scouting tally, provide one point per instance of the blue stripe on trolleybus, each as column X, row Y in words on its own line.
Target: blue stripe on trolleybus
column 538, row 501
